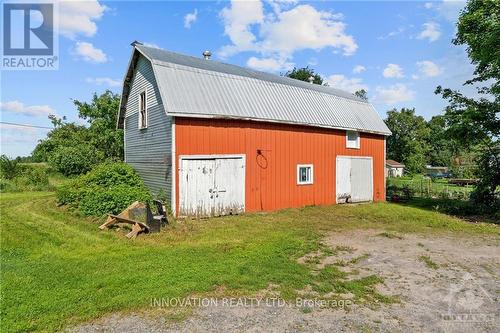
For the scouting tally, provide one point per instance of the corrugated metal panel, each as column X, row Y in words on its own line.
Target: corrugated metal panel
column 271, row 176
column 197, row 87
column 148, row 150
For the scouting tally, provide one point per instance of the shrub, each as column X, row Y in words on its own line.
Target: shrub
column 75, row 160
column 33, row 178
column 108, row 188
column 8, row 186
column 28, row 177
column 8, row 168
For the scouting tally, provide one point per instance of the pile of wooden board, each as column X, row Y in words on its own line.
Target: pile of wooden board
column 131, row 215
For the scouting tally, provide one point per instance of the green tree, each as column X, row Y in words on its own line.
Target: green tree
column 361, row 94
column 441, row 148
column 409, row 140
column 74, row 149
column 64, row 134
column 9, row 168
column 474, row 122
column 304, row 74
column 101, row 115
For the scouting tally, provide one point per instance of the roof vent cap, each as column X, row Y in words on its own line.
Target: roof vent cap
column 207, row 54
column 311, row 79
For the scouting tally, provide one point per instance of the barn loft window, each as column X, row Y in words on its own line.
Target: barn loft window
column 352, row 139
column 304, row 174
column 143, row 111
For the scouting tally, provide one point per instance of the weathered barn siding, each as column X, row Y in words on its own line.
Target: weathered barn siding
column 148, row 150
column 271, row 177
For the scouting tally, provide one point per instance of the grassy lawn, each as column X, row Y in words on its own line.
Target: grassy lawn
column 58, row 269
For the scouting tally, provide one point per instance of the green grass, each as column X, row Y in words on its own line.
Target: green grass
column 58, row 269
column 428, row 262
column 390, row 235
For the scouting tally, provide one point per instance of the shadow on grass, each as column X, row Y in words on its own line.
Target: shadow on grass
column 464, row 209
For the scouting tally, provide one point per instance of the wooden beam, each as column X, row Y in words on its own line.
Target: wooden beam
column 136, row 229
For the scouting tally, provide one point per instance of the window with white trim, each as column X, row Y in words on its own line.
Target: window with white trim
column 143, row 110
column 304, row 174
column 352, row 139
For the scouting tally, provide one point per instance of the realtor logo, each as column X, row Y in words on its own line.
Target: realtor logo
column 29, row 36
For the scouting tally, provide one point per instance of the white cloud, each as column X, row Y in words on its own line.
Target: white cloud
column 450, row 9
column 358, row 69
column 104, row 81
column 279, row 5
column 393, row 94
column 30, row 111
column 238, row 19
column 304, row 27
column 428, row 5
column 393, row 71
column 280, row 33
column 16, row 130
column 344, row 83
column 151, row 45
column 431, row 32
column 78, row 17
column 428, row 68
column 313, row 61
column 190, row 18
column 88, row 52
column 399, row 31
column 269, row 64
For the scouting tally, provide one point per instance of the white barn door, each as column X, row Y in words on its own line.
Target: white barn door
column 196, row 178
column 229, row 189
column 343, row 179
column 354, row 179
column 211, row 186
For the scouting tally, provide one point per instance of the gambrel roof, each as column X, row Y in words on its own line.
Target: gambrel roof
column 196, row 87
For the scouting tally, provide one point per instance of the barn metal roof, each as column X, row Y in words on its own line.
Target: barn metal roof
column 196, row 87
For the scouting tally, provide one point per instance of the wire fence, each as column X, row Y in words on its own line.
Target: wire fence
column 427, row 188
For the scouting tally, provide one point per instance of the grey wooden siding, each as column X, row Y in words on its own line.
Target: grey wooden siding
column 149, row 150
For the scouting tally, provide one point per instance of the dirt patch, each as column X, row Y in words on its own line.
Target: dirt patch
column 444, row 284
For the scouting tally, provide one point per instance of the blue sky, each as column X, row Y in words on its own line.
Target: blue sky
column 399, row 51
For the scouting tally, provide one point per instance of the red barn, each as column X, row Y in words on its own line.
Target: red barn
column 219, row 139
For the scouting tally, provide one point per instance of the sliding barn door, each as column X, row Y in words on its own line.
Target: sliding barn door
column 354, row 179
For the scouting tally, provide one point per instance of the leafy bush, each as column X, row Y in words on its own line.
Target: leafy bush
column 8, row 168
column 75, row 160
column 25, row 177
column 8, row 186
column 33, row 178
column 108, row 188
column 397, row 193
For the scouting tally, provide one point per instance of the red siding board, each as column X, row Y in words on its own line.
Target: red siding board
column 271, row 182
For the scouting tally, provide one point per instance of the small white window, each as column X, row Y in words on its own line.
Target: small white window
column 352, row 139
column 143, row 110
column 304, row 174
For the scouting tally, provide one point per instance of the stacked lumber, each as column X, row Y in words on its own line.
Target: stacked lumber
column 125, row 217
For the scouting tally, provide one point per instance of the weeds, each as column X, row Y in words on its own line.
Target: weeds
column 390, row 235
column 428, row 262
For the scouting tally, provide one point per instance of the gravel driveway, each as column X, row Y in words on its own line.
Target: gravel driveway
column 444, row 284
